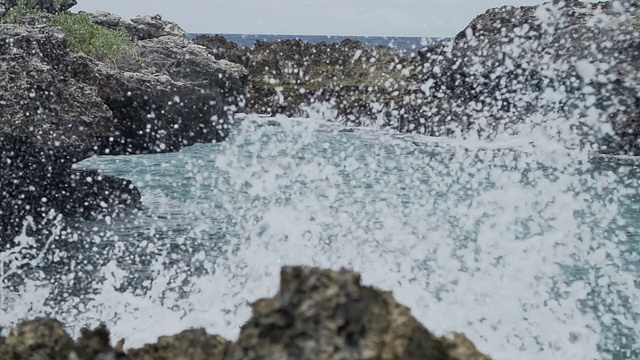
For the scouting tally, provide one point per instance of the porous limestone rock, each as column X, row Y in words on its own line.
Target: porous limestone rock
column 58, row 107
column 141, row 27
column 193, row 344
column 38, row 339
column 317, row 314
column 326, row 314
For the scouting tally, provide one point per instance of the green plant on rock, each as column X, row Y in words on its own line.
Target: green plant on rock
column 16, row 14
column 106, row 45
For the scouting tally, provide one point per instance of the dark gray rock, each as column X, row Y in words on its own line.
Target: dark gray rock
column 555, row 59
column 59, row 107
column 222, row 48
column 317, row 314
column 36, row 179
column 52, row 6
column 43, row 94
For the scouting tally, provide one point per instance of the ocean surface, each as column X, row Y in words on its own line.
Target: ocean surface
column 401, row 44
column 531, row 250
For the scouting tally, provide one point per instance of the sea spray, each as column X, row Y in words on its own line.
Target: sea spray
column 520, row 249
column 520, row 240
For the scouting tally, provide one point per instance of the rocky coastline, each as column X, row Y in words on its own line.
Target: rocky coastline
column 147, row 89
column 63, row 98
column 316, row 314
column 560, row 59
column 60, row 105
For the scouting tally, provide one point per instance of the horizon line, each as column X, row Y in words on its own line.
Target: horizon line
column 322, row 35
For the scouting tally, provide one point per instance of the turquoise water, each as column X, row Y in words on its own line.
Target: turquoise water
column 532, row 252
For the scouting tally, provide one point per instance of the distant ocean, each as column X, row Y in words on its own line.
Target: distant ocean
column 402, row 44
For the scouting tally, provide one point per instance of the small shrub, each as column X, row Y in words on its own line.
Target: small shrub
column 16, row 14
column 106, row 45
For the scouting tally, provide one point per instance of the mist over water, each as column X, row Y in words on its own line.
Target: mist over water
column 530, row 251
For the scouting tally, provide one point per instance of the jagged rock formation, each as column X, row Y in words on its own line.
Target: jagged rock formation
column 62, row 106
column 221, row 48
column 571, row 61
column 317, row 314
column 555, row 59
column 560, row 60
column 287, row 75
column 325, row 314
column 52, row 6
column 140, row 27
column 193, row 344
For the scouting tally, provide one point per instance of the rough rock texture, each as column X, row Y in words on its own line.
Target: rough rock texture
column 37, row 339
column 559, row 59
column 140, row 27
column 325, row 314
column 194, row 344
column 52, row 6
column 41, row 93
column 164, row 49
column 58, row 107
column 222, row 48
column 286, row 75
column 187, row 62
column 49, row 119
column 512, row 69
column 317, row 314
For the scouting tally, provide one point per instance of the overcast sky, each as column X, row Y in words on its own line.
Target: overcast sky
column 310, row 17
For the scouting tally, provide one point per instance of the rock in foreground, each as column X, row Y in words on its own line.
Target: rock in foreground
column 317, row 314
column 325, row 314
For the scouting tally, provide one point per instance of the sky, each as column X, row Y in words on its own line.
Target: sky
column 428, row 18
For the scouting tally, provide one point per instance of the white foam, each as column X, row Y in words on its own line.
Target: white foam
column 295, row 208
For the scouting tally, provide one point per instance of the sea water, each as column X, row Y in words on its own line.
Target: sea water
column 530, row 250
column 402, row 44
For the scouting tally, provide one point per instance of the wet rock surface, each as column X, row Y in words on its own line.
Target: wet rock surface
column 326, row 314
column 285, row 77
column 59, row 106
column 316, row 314
column 555, row 59
column 37, row 182
column 511, row 65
